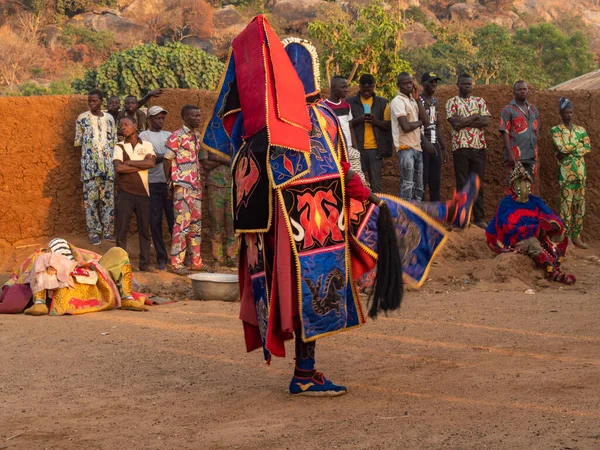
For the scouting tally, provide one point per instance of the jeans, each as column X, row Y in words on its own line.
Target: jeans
column 159, row 202
column 371, row 166
column 466, row 161
column 411, row 174
column 432, row 173
column 126, row 205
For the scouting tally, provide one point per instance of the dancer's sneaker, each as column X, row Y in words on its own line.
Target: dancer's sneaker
column 316, row 386
column 465, row 200
column 38, row 309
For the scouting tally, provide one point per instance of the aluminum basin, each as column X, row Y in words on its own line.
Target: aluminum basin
column 215, row 286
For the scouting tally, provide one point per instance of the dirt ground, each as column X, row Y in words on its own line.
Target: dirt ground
column 471, row 361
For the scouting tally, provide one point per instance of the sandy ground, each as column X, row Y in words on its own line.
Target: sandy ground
column 471, row 361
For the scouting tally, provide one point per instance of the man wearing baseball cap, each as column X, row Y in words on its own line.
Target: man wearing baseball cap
column 434, row 149
column 160, row 200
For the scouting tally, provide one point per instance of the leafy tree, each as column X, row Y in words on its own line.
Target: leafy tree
column 368, row 43
column 557, row 54
column 146, row 67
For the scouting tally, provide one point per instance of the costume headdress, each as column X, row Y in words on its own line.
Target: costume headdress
column 305, row 60
column 519, row 172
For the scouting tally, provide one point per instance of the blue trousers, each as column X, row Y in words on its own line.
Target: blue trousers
column 411, row 174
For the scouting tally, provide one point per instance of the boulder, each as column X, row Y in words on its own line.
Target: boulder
column 416, row 35
column 143, row 8
column 106, row 20
column 226, row 16
column 462, row 11
column 297, row 13
column 196, row 42
column 50, row 34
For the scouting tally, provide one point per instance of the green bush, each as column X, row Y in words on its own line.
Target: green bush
column 147, row 67
column 99, row 41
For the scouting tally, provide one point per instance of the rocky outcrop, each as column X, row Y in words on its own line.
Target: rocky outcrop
column 107, row 20
column 416, row 35
column 297, row 13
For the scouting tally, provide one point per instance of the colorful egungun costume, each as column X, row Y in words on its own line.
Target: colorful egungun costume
column 523, row 223
column 306, row 231
column 63, row 279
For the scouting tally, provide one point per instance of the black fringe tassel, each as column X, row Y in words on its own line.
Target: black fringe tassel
column 388, row 290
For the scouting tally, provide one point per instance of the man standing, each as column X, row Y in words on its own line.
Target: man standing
column 96, row 134
column 338, row 92
column 371, row 125
column 468, row 116
column 160, row 200
column 114, row 107
column 519, row 124
column 434, row 149
column 132, row 109
column 408, row 117
column 132, row 159
column 184, row 158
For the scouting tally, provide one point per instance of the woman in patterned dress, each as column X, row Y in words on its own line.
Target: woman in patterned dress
column 571, row 144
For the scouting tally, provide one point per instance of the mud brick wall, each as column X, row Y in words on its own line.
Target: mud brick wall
column 40, row 190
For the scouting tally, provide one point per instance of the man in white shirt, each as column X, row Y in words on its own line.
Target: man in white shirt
column 408, row 116
column 160, row 200
column 132, row 159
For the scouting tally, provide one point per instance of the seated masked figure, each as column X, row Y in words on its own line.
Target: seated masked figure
column 523, row 223
column 308, row 226
column 63, row 279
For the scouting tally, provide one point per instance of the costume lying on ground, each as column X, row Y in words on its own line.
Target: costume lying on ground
column 306, row 231
column 60, row 285
column 523, row 223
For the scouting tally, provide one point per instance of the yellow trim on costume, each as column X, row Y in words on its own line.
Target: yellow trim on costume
column 295, row 177
column 202, row 145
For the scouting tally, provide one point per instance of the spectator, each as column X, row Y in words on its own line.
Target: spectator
column 223, row 239
column 114, row 107
column 432, row 140
column 468, row 116
column 96, row 134
column 132, row 159
column 371, row 125
column 184, row 155
column 132, row 109
column 160, row 198
column 408, row 117
column 336, row 101
column 519, row 125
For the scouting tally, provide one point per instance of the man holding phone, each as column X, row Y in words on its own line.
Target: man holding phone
column 372, row 131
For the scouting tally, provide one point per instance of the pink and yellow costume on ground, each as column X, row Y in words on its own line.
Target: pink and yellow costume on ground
column 306, row 230
column 74, row 281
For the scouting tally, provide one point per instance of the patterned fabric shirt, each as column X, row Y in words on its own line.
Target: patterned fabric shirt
column 186, row 153
column 468, row 137
column 432, row 110
column 571, row 145
column 97, row 137
column 522, row 129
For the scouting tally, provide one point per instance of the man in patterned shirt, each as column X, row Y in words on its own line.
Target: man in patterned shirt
column 96, row 135
column 519, row 125
column 183, row 158
column 468, row 116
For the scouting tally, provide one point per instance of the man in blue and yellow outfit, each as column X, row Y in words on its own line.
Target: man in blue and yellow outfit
column 308, row 227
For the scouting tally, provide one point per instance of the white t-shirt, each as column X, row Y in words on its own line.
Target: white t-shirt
column 158, row 140
column 402, row 105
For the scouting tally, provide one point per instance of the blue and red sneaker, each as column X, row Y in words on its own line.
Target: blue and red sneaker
column 316, row 386
column 464, row 201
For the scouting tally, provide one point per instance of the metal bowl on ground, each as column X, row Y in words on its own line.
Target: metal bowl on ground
column 215, row 286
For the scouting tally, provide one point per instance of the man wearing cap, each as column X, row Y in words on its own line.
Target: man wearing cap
column 434, row 149
column 160, row 199
column 372, row 129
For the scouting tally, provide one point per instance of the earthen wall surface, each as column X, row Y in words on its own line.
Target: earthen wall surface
column 40, row 188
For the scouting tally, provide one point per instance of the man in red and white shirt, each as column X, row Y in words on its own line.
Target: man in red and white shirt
column 468, row 116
